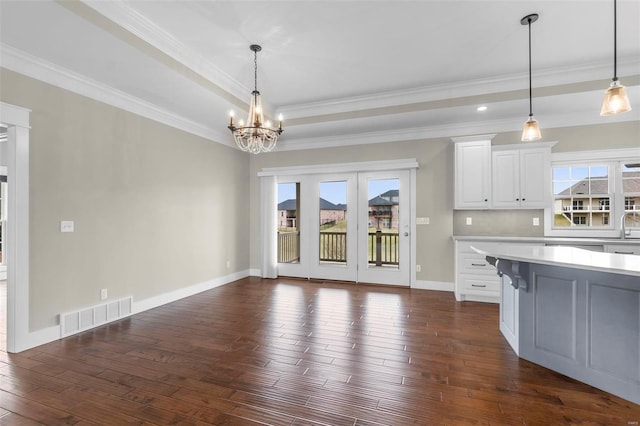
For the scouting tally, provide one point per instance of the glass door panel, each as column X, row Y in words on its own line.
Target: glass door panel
column 335, row 254
column 292, row 258
column 383, row 204
column 332, row 227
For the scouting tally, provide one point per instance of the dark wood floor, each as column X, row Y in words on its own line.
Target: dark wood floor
column 290, row 352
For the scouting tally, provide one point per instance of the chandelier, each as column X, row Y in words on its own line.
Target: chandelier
column 257, row 135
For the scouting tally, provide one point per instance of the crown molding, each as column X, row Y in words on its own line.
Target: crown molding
column 31, row 66
column 449, row 131
column 137, row 24
column 496, row 84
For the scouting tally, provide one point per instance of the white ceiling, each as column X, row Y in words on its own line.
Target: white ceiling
column 341, row 72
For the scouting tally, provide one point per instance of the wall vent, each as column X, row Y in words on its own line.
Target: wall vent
column 87, row 318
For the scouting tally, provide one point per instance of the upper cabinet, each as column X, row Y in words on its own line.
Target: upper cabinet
column 473, row 172
column 501, row 176
column 521, row 178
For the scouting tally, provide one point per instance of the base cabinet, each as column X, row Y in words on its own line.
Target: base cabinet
column 476, row 279
column 583, row 324
column 509, row 311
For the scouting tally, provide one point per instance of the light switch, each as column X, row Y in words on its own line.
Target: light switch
column 66, row 226
column 469, row 221
column 422, row 220
column 536, row 221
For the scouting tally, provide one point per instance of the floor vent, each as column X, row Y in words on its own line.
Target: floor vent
column 84, row 319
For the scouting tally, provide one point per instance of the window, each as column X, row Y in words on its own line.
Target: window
column 580, row 192
column 591, row 192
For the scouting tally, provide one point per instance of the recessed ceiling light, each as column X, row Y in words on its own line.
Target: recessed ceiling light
column 481, row 108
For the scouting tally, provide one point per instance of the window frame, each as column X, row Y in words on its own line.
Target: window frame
column 614, row 159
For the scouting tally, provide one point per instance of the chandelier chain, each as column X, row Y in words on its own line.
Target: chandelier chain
column 255, row 70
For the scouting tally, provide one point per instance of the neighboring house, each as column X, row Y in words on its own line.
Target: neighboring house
column 392, row 195
column 587, row 203
column 383, row 211
column 287, row 214
column 329, row 213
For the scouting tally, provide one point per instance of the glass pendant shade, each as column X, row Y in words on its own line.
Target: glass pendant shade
column 531, row 130
column 616, row 100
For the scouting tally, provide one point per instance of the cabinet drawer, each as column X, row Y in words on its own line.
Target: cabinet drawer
column 475, row 264
column 480, row 285
column 622, row 248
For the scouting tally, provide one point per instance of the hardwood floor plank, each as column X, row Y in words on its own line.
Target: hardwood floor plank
column 292, row 352
column 35, row 411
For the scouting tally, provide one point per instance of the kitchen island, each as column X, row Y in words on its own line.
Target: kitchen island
column 574, row 311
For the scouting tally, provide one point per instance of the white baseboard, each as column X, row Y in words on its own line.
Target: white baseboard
column 433, row 285
column 37, row 338
column 172, row 296
column 255, row 272
column 50, row 334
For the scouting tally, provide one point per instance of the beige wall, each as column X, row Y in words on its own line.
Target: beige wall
column 155, row 209
column 434, row 194
column 435, row 187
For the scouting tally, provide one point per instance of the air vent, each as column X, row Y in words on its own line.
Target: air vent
column 85, row 319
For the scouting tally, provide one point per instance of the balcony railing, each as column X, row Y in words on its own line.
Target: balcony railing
column 289, row 247
column 382, row 247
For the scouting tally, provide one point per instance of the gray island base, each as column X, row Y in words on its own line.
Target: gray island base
column 573, row 311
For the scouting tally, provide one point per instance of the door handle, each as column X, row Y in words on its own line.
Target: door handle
column 406, row 234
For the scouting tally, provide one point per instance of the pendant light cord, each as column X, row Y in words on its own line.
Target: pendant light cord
column 615, row 41
column 530, row 91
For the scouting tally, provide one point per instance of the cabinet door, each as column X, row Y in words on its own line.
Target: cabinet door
column 535, row 185
column 505, row 179
column 473, row 180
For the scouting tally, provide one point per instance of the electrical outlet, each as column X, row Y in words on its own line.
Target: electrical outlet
column 228, row 264
column 418, row 268
column 66, row 226
column 103, row 294
column 536, row 221
column 469, row 221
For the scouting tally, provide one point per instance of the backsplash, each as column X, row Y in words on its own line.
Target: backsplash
column 503, row 223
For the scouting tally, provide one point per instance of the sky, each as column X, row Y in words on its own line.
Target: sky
column 336, row 192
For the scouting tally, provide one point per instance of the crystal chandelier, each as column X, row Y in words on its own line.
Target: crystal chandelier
column 257, row 135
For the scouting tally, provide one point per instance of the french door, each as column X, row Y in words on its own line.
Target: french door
column 345, row 226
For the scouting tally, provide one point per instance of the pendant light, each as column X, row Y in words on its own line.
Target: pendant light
column 530, row 131
column 256, row 135
column 616, row 100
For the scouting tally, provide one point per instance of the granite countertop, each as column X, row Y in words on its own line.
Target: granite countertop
column 571, row 257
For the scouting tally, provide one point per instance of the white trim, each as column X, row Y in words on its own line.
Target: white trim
column 31, row 66
column 364, row 166
column 595, row 155
column 474, row 138
column 495, row 84
column 13, row 115
column 527, row 145
column 140, row 26
column 181, row 293
column 17, row 245
column 433, row 285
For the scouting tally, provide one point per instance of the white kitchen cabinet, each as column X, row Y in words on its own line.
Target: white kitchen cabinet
column 473, row 172
column 622, row 248
column 521, row 178
column 476, row 279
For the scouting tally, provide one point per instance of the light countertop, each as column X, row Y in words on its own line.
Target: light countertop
column 551, row 240
column 571, row 257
